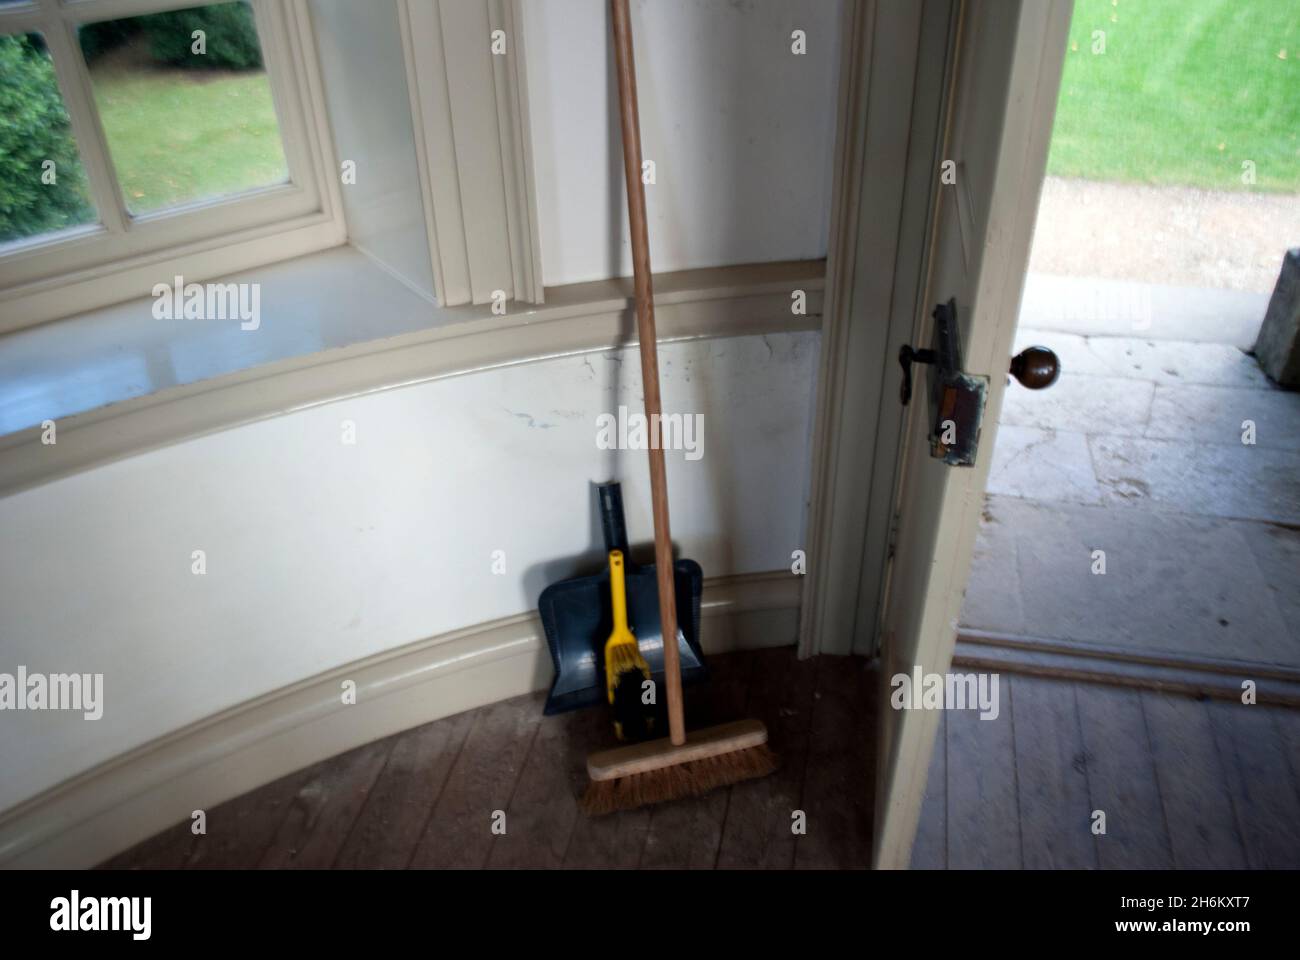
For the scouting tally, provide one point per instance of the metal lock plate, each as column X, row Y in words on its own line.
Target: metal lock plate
column 956, row 398
column 957, row 406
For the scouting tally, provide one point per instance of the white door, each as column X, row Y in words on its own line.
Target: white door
column 1005, row 78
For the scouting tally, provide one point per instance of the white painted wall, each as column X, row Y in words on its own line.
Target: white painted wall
column 741, row 130
column 319, row 553
column 364, row 73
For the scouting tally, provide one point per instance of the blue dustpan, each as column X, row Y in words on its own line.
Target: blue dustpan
column 577, row 617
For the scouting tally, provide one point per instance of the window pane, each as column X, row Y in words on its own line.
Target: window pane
column 42, row 185
column 185, row 104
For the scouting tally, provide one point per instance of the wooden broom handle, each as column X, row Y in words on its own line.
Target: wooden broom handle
column 645, row 325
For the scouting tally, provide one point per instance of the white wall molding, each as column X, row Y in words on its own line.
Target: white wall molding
column 510, row 80
column 891, row 113
column 581, row 318
column 97, row 814
column 470, row 111
column 825, row 596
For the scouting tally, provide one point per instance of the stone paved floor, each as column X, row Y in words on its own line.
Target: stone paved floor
column 1138, row 452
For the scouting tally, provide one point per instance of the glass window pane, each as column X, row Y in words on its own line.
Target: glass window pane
column 185, row 104
column 42, row 184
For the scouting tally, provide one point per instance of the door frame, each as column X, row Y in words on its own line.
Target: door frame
column 878, row 266
column 891, row 112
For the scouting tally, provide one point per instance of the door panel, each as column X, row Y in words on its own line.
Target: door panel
column 1006, row 73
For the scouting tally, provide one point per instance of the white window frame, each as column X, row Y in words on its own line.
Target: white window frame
column 123, row 256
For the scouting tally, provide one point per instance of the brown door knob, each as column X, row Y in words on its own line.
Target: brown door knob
column 1036, row 367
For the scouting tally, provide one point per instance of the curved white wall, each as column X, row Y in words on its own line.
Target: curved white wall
column 319, row 553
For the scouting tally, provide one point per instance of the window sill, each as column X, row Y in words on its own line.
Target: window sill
column 333, row 325
column 315, row 303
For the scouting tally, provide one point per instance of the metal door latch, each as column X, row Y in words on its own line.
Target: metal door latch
column 956, row 398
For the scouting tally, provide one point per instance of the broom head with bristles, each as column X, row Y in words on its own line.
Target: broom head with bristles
column 657, row 772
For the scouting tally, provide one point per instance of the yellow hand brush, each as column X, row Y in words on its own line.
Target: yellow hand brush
column 626, row 671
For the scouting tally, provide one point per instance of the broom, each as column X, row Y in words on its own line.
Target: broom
column 682, row 765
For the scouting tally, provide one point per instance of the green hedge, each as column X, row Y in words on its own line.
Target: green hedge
column 98, row 38
column 34, row 127
column 231, row 37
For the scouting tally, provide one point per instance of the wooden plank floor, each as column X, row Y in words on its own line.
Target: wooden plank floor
column 1183, row 783
column 428, row 797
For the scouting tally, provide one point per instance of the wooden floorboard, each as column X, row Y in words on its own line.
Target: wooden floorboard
column 687, row 834
column 1287, row 725
column 397, row 809
column 241, row 831
column 758, row 830
column 1122, row 780
column 983, row 798
column 1259, row 780
column 838, row 790
column 543, row 811
column 326, row 805
column 426, row 797
column 1182, row 783
column 480, row 786
column 612, row 842
column 1051, row 777
column 930, row 849
column 1203, row 829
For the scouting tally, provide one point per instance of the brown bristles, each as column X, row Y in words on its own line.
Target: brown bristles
column 691, row 779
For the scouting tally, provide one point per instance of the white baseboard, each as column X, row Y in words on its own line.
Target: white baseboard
column 114, row 806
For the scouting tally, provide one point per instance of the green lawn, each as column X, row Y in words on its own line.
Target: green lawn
column 184, row 135
column 1185, row 92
